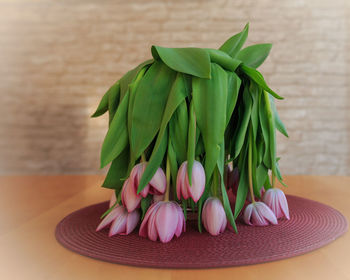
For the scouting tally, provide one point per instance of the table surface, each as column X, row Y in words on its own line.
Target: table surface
column 31, row 207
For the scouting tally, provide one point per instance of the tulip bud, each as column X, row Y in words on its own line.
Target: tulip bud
column 163, row 220
column 157, row 185
column 183, row 187
column 213, row 216
column 277, row 201
column 259, row 214
column 122, row 222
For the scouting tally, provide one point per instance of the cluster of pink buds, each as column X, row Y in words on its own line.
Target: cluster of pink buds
column 273, row 206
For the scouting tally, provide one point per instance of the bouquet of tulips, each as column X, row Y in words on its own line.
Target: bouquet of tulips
column 192, row 130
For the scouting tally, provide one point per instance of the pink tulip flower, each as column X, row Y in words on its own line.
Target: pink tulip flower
column 113, row 200
column 122, row 222
column 130, row 199
column 259, row 214
column 277, row 201
column 183, row 187
column 213, row 216
column 163, row 219
column 157, row 185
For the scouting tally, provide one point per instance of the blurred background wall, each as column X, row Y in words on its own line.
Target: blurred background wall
column 57, row 58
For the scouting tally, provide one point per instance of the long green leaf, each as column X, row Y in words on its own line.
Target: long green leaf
column 193, row 61
column 154, row 162
column 254, row 55
column 117, row 135
column 178, row 130
column 176, row 96
column 113, row 102
column 117, row 172
column 240, row 135
column 191, row 147
column 256, row 76
column 235, row 43
column 150, row 99
column 225, row 200
column 103, row 105
column 209, row 99
column 272, row 132
column 233, row 85
column 243, row 185
column 264, row 124
column 223, row 59
column 173, row 165
column 129, row 77
column 279, row 124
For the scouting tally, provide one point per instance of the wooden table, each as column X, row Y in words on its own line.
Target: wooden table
column 31, row 206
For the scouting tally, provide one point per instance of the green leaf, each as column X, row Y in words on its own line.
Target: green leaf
column 173, row 165
column 272, row 132
column 193, row 61
column 279, row 124
column 145, row 203
column 278, row 174
column 254, row 55
column 191, row 147
column 103, row 106
column 243, row 185
column 154, row 162
column 150, row 99
column 233, row 85
column 113, row 102
column 225, row 200
column 240, row 135
column 176, row 96
column 117, row 172
column 254, row 93
column 261, row 175
column 235, row 43
column 209, row 99
column 132, row 88
column 117, row 135
column 129, row 77
column 264, row 124
column 223, row 59
column 256, row 76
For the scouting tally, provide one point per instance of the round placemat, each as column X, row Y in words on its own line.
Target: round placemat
column 312, row 225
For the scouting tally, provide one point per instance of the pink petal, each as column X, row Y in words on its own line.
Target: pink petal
column 113, row 200
column 144, row 225
column 180, row 179
column 119, row 225
column 248, row 214
column 115, row 213
column 132, row 220
column 145, row 191
column 129, row 197
column 158, row 182
column 151, row 226
column 283, row 204
column 198, row 181
column 266, row 212
column 181, row 225
column 166, row 221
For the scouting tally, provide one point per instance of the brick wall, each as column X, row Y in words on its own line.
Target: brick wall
column 59, row 57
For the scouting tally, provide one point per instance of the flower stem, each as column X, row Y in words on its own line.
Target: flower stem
column 250, row 166
column 273, row 179
column 143, row 158
column 167, row 171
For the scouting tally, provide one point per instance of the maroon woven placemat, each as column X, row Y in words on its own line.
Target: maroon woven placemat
column 312, row 225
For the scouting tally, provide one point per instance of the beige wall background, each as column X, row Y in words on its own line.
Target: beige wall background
column 57, row 58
